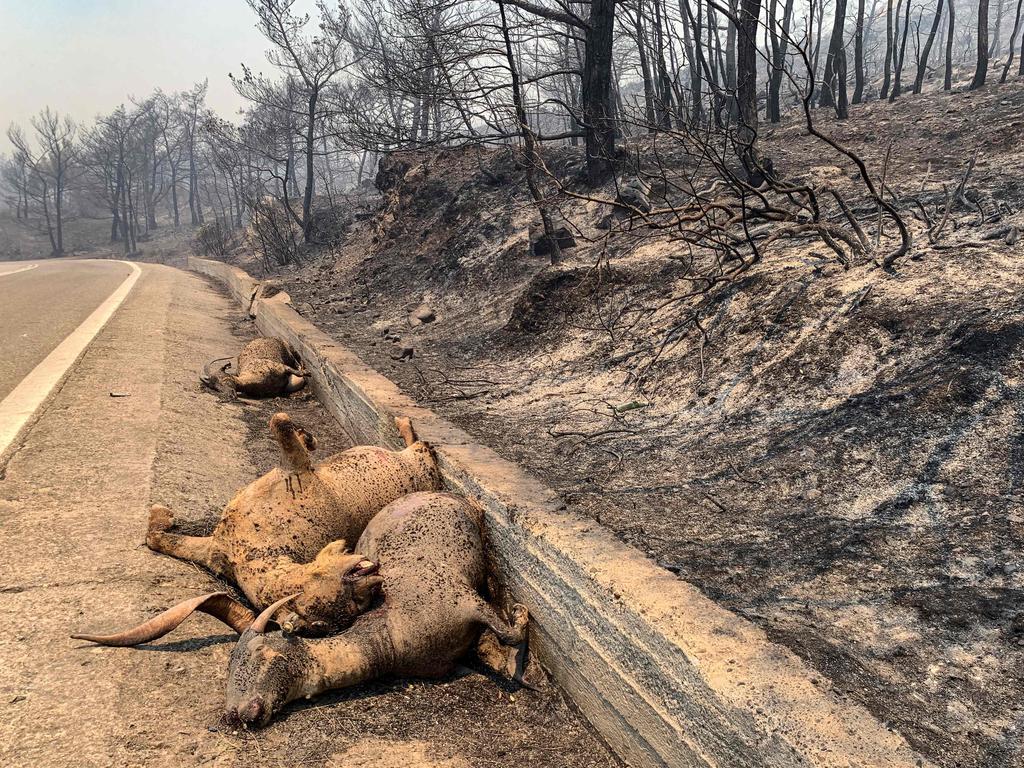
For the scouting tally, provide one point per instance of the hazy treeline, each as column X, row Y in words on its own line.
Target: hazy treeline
column 366, row 77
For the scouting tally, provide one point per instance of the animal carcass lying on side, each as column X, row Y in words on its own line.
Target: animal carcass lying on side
column 285, row 534
column 430, row 550
column 266, row 367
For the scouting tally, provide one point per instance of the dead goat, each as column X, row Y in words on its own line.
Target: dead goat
column 430, row 550
column 266, row 367
column 285, row 534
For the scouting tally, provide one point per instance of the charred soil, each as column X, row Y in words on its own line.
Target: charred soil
column 834, row 453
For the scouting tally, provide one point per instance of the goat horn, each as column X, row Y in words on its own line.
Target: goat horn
column 208, row 378
column 260, row 625
column 220, row 605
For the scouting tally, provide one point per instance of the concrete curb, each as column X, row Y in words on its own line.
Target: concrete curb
column 668, row 677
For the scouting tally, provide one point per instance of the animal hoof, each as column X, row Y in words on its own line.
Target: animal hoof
column 160, row 519
column 520, row 616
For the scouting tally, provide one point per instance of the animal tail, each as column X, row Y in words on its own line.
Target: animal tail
column 209, row 379
column 220, row 605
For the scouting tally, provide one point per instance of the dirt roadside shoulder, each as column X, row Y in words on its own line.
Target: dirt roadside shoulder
column 72, row 511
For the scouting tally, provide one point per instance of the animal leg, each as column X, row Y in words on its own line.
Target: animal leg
column 160, row 519
column 507, row 633
column 494, row 656
column 404, row 424
column 294, row 378
column 203, row 550
column 250, row 385
column 296, row 443
column 506, row 661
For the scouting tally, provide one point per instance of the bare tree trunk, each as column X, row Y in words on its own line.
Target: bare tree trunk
column 664, row 82
column 1020, row 71
column 948, row 81
column 115, row 206
column 151, row 184
column 858, row 55
column 715, row 68
column 1013, row 40
column 307, row 197
column 597, row 83
column 417, row 110
column 193, row 182
column 897, row 87
column 887, row 77
column 843, row 103
column 746, row 84
column 819, row 24
column 730, row 60
column 174, row 196
column 780, row 45
column 532, row 158
column 293, row 179
column 993, row 49
column 428, row 106
column 58, row 209
column 833, row 88
column 695, row 55
column 981, row 70
column 645, row 70
column 922, row 65
column 126, row 239
column 45, row 198
column 617, row 107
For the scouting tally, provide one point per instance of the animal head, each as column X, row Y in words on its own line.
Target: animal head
column 267, row 670
column 338, row 586
column 217, row 378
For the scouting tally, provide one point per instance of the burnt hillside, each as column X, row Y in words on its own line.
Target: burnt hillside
column 832, row 450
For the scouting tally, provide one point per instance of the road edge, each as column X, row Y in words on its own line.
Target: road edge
column 22, row 405
column 667, row 676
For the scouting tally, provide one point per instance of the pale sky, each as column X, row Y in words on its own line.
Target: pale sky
column 84, row 57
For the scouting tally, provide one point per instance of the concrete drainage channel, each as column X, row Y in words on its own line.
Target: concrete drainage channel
column 667, row 677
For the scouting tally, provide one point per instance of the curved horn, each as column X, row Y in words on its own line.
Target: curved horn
column 208, row 378
column 260, row 625
column 220, row 605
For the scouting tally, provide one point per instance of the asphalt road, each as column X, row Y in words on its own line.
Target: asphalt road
column 73, row 506
column 41, row 302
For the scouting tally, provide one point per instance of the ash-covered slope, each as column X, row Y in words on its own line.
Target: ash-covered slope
column 834, row 453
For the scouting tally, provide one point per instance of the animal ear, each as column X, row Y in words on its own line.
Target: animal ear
column 326, row 556
column 259, row 626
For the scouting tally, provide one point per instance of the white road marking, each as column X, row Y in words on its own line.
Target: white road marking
column 18, row 407
column 16, row 271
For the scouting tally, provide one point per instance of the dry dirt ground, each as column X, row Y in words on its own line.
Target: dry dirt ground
column 73, row 506
column 833, row 453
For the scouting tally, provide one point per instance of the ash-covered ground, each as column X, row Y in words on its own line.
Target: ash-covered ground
column 834, row 453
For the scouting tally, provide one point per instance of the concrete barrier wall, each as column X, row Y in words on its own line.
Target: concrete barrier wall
column 668, row 677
